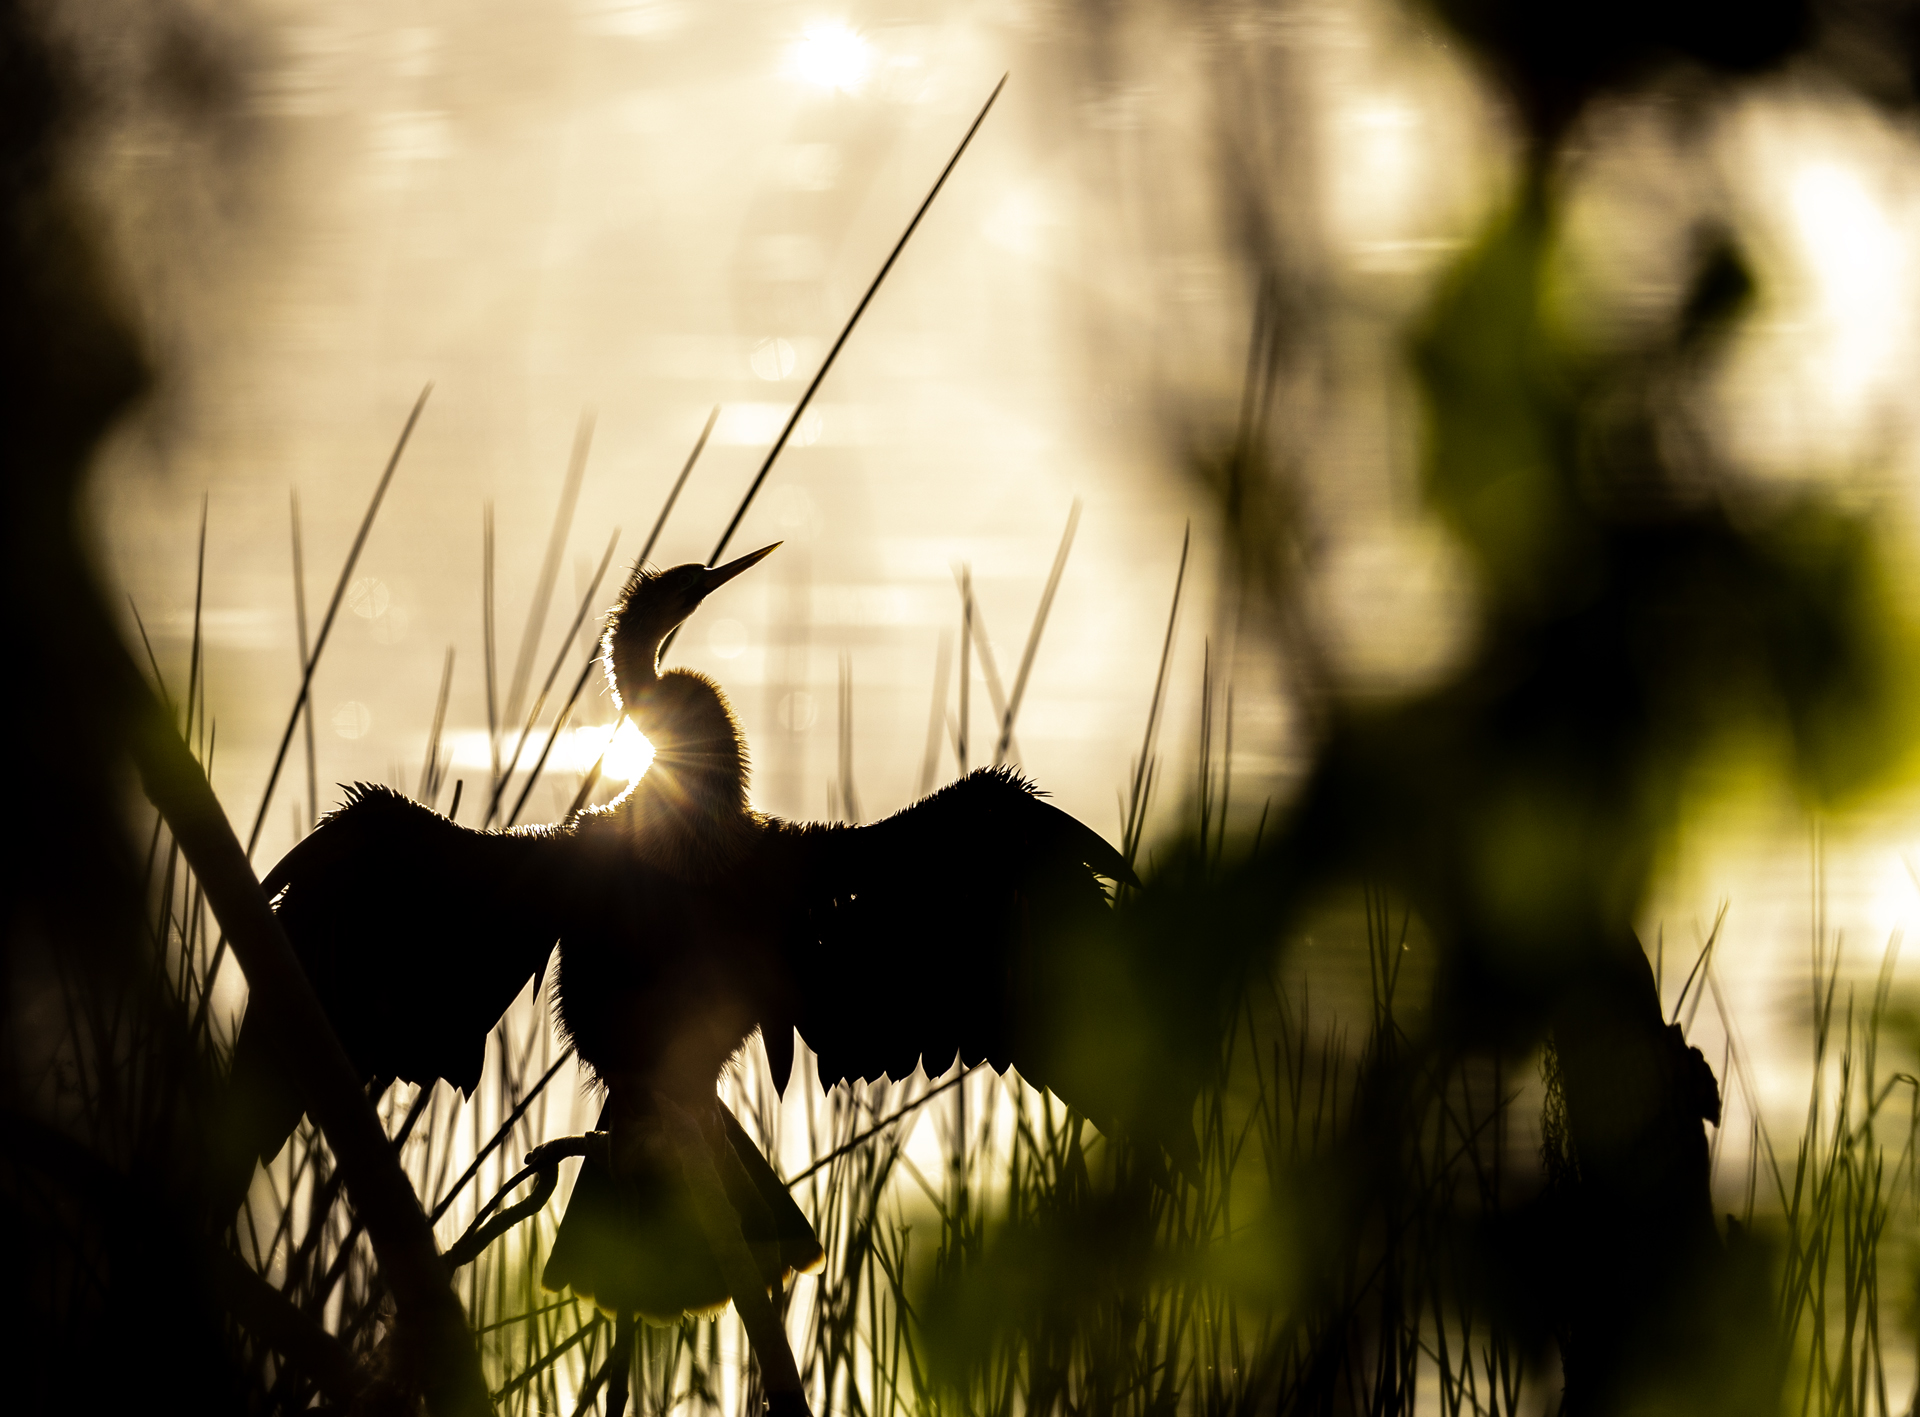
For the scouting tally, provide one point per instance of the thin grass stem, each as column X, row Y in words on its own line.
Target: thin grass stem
column 936, row 716
column 1033, row 635
column 300, row 629
column 333, row 610
column 550, row 567
column 846, row 330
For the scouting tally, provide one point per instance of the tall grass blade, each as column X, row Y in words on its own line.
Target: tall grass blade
column 303, row 700
column 1033, row 635
column 300, row 628
column 860, row 1139
column 1134, row 822
column 966, row 668
column 500, row 1135
column 686, row 471
column 942, row 664
column 1697, row 974
column 489, row 642
column 540, row 763
column 333, row 610
column 659, row 523
column 1749, row 1087
column 540, row 703
column 587, row 784
column 196, row 687
column 989, row 667
column 553, row 1355
column 550, row 568
column 849, row 804
column 833, row 353
column 620, row 1366
column 430, row 770
column 1226, row 780
column 591, row 1388
column 194, row 684
column 159, row 680
column 1206, row 743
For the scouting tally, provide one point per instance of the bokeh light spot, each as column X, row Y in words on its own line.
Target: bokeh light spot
column 830, row 55
column 1853, row 254
column 368, row 597
column 352, row 719
column 773, row 360
column 727, row 638
column 797, row 711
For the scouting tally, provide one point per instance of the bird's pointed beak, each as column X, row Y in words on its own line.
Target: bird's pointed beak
column 720, row 575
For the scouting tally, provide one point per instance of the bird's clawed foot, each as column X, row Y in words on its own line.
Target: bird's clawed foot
column 552, row 1153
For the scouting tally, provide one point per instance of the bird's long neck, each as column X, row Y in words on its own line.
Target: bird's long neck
column 689, row 809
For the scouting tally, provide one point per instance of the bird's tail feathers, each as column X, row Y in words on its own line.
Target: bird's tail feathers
column 633, row 1244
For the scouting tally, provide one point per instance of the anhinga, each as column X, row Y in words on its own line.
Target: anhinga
column 685, row 922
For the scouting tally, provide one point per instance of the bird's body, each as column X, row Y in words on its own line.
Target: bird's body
column 677, row 957
column 685, row 922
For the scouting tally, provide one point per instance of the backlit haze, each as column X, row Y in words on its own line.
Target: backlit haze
column 629, row 213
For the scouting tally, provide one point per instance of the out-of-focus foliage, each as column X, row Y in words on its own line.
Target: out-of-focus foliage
column 1645, row 617
column 1638, row 613
column 102, row 1096
column 1555, row 57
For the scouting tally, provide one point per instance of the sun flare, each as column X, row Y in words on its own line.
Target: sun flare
column 628, row 753
column 831, row 55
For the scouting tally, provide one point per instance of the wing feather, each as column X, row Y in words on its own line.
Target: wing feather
column 927, row 935
column 416, row 932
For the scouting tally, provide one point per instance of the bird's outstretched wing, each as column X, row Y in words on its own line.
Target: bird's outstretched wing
column 929, row 933
column 416, row 933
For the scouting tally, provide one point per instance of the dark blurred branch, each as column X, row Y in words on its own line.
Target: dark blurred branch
column 401, row 1235
column 260, row 1308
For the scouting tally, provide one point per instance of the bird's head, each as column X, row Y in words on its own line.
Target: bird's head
column 652, row 606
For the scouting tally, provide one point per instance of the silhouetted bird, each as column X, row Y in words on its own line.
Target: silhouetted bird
column 685, row 921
